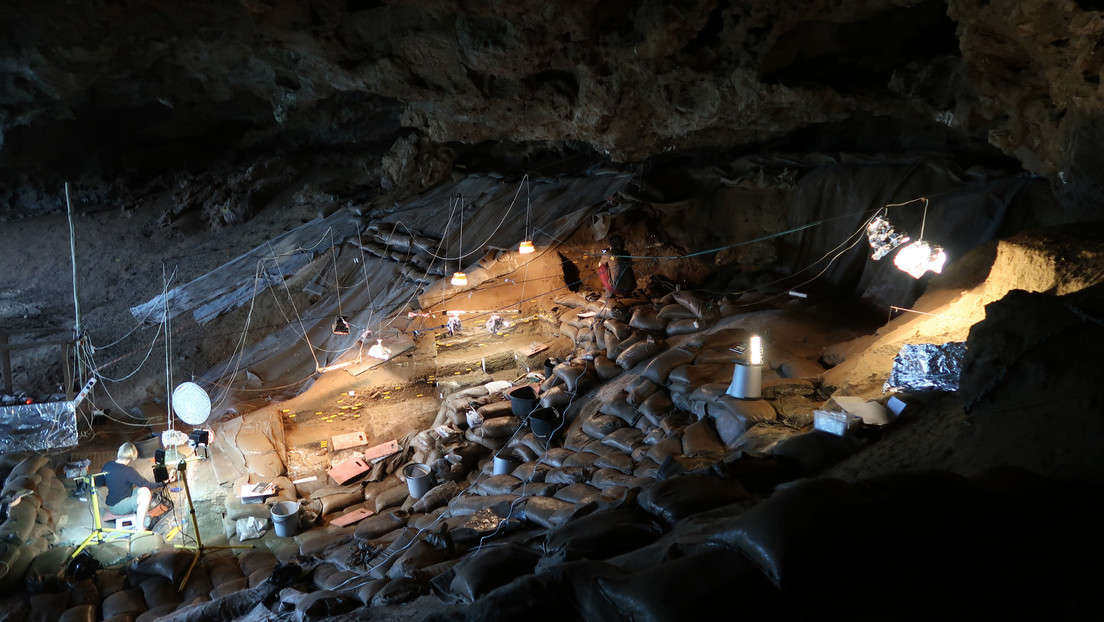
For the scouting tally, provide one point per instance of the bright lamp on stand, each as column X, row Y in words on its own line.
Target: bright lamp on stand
column 526, row 247
column 747, row 377
column 459, row 278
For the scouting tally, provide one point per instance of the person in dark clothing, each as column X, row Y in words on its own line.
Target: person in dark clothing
column 127, row 491
column 615, row 268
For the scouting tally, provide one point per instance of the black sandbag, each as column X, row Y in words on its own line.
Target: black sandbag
column 576, row 439
column 733, row 417
column 79, row 613
column 556, row 398
column 567, row 475
column 47, row 570
column 700, row 439
column 685, row 327
column 619, row 406
column 159, row 592
column 436, row 497
column 501, row 408
column 572, row 300
column 660, row 367
column 621, row 331
column 47, row 607
column 425, row 552
column 548, row 512
column 624, row 439
column 600, row 535
column 639, row 389
column 599, row 426
column 657, row 406
column 493, row 567
column 366, row 592
column 616, row 461
column 714, row 579
column 810, row 453
column 674, row 423
column 675, row 311
column 156, row 613
column 585, row 335
column 678, row 497
column 605, row 368
column 256, row 559
column 699, row 305
column 697, row 374
column 785, row 535
column 466, row 505
column 398, row 591
column 607, row 477
column 323, row 604
column 577, row 493
column 532, row 471
column 646, row 319
column 496, row 485
column 384, row 522
column 580, row 459
column 127, row 602
column 664, row 449
column 499, row 427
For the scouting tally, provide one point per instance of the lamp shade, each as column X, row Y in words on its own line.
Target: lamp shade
column 526, row 247
column 459, row 279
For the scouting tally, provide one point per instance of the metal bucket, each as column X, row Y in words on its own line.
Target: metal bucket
column 419, row 479
column 504, row 465
column 285, row 518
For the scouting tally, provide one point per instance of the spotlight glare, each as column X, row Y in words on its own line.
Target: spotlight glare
column 756, row 347
column 526, row 247
column 459, row 279
column 379, row 351
column 920, row 257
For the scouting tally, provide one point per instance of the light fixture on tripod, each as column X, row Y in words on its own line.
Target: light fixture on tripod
column 459, row 278
column 526, row 247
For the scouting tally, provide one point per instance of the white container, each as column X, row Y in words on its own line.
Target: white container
column 747, row 382
column 835, row 423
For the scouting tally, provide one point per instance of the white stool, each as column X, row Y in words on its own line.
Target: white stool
column 126, row 522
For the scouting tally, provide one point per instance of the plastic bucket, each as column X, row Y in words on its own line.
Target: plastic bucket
column 504, row 465
column 418, row 479
column 544, row 422
column 523, row 400
column 285, row 518
column 549, row 365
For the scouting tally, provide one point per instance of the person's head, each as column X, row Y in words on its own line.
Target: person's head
column 127, row 451
column 617, row 243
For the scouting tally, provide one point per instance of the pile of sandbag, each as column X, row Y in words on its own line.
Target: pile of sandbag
column 33, row 497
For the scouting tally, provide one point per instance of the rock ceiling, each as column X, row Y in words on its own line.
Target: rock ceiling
column 117, row 94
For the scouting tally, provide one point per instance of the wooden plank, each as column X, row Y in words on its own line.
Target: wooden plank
column 345, row 441
column 349, row 470
column 381, row 451
column 355, row 516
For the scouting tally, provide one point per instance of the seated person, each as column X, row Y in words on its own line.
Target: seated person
column 127, row 491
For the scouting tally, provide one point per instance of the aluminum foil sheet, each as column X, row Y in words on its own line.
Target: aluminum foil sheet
column 927, row 367
column 883, row 238
column 37, row 427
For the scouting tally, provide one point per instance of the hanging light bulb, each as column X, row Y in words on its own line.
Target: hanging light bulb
column 920, row 257
column 379, row 351
column 459, row 279
column 526, row 247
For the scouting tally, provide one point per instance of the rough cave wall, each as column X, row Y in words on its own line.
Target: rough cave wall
column 136, row 91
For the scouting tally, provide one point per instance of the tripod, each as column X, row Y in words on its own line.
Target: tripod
column 198, row 548
column 98, row 530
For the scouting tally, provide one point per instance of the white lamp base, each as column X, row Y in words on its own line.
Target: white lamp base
column 747, row 382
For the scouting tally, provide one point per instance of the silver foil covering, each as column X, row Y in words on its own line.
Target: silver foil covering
column 883, row 238
column 927, row 367
column 37, row 427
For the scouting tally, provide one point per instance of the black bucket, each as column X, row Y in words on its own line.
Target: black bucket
column 523, row 400
column 544, row 422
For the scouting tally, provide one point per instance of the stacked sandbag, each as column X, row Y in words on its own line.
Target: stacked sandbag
column 30, row 528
